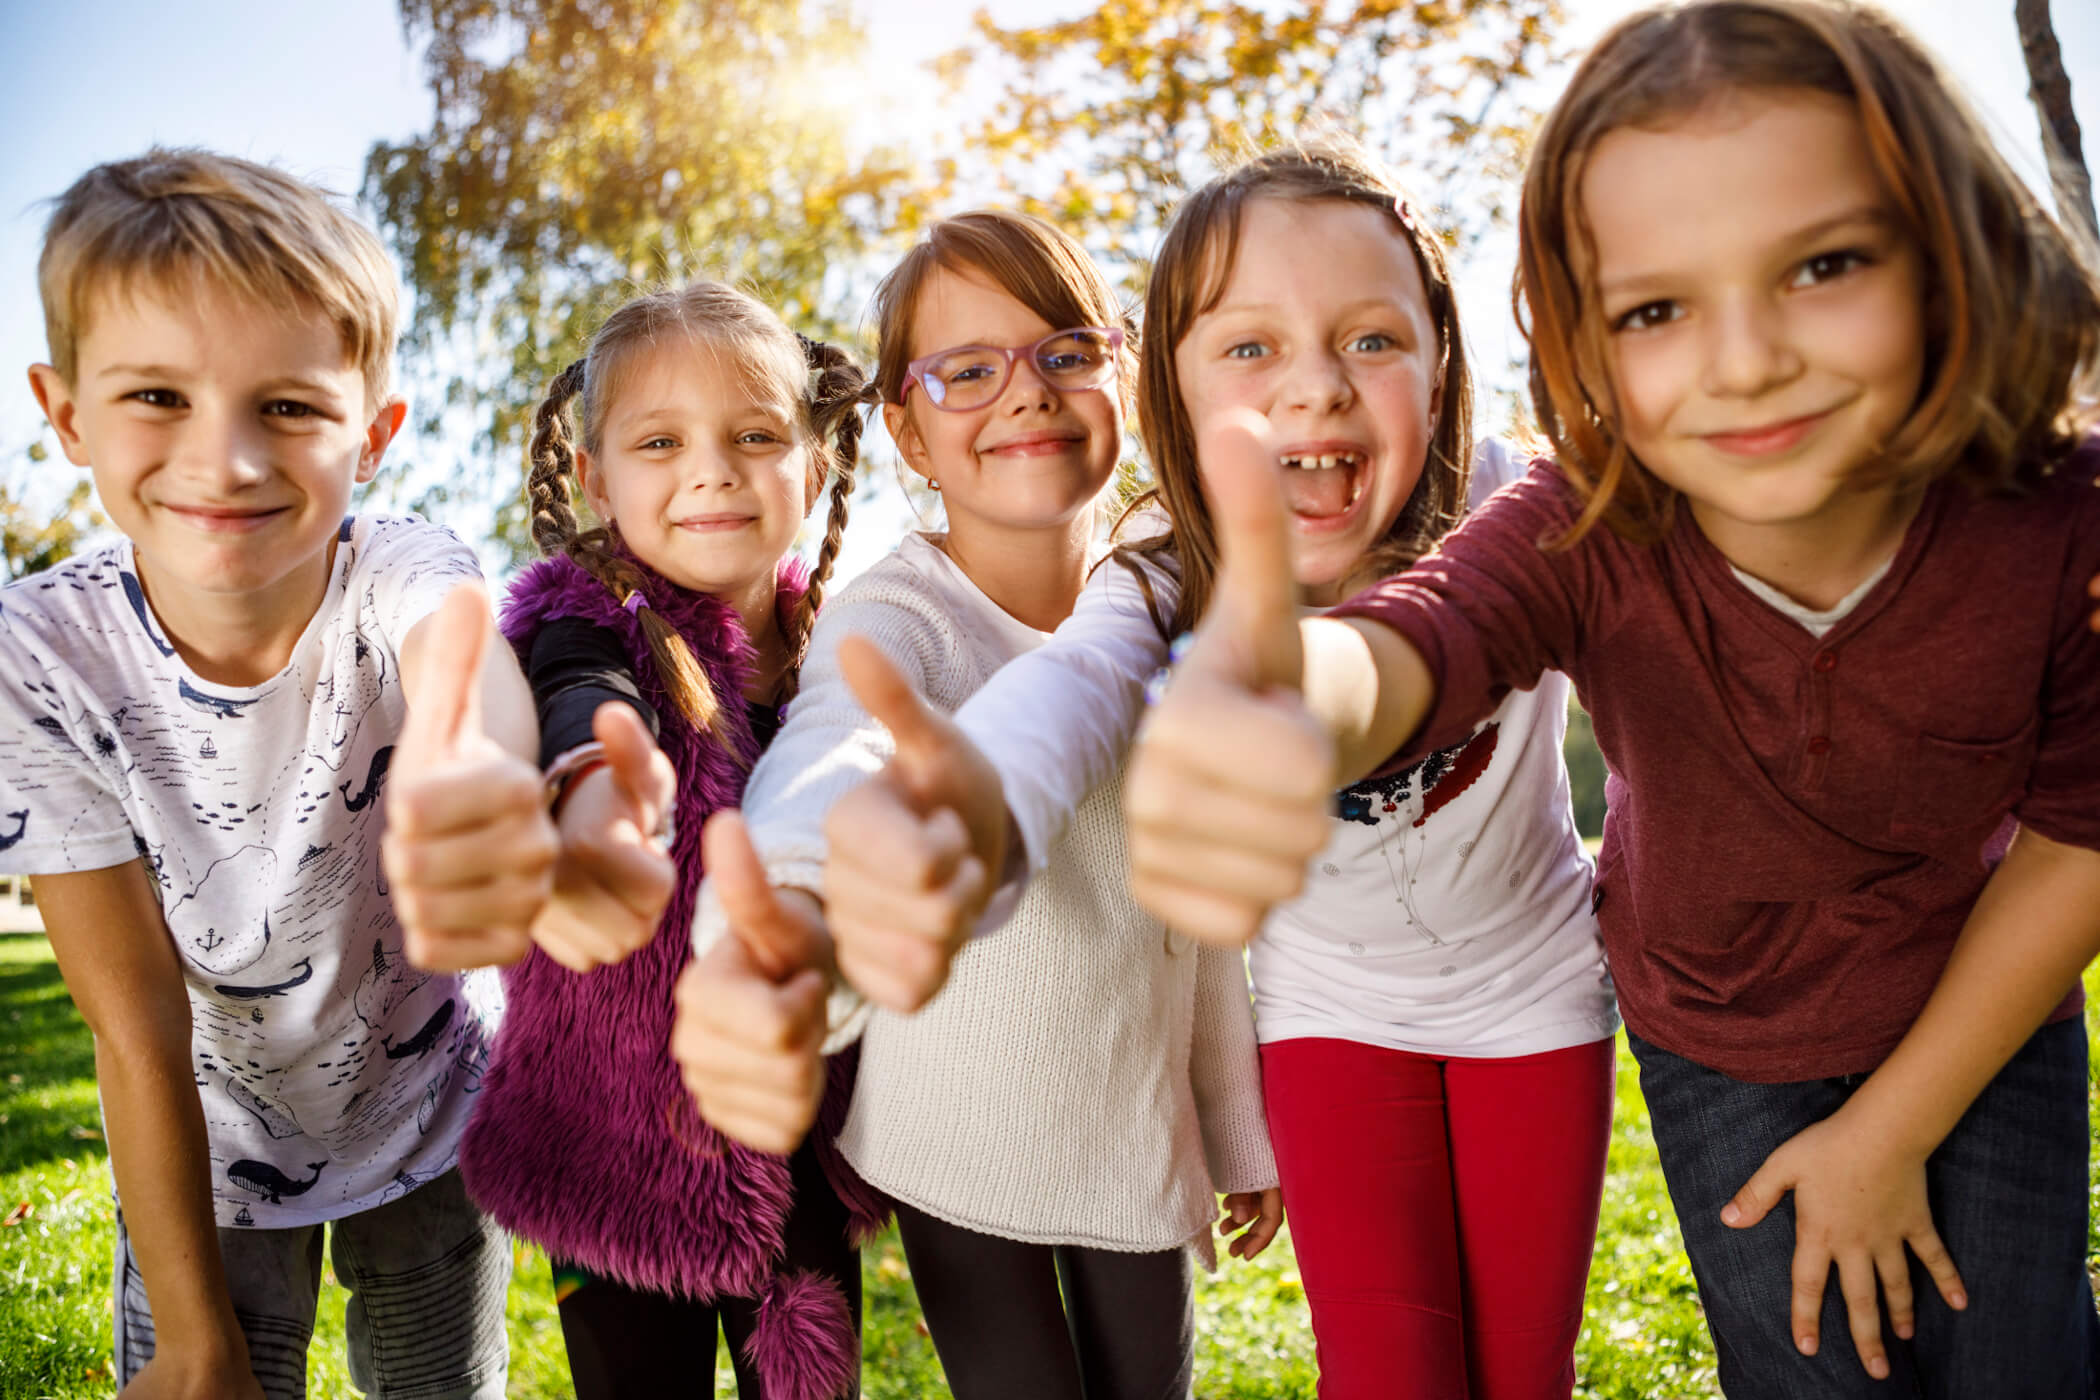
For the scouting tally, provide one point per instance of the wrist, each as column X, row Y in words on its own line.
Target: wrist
column 567, row 769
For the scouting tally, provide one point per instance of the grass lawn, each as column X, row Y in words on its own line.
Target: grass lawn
column 1643, row 1339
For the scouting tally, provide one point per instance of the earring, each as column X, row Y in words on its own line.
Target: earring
column 935, row 485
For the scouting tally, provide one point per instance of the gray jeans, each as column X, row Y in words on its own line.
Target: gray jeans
column 427, row 1275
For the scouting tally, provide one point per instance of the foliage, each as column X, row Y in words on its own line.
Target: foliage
column 1586, row 771
column 32, row 538
column 1102, row 122
column 580, row 147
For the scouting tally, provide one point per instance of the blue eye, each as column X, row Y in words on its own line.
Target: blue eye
column 1246, row 350
column 1372, row 341
column 756, row 436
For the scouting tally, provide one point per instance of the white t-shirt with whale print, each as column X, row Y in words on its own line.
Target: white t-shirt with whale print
column 333, row 1075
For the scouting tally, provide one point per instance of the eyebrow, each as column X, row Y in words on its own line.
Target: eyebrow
column 1877, row 215
column 295, row 382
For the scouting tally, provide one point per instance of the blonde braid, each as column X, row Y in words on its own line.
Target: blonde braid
column 835, row 401
column 552, row 465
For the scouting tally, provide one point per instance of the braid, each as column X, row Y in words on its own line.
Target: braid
column 552, row 465
column 684, row 680
column 835, row 401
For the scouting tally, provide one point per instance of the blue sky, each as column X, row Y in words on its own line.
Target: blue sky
column 312, row 85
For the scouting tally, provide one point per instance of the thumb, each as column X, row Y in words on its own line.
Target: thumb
column 1759, row 1195
column 446, row 707
column 920, row 731
column 638, row 766
column 776, row 942
column 1255, row 600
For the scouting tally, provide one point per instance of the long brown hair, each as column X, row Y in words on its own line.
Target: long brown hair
column 821, row 381
column 2012, row 319
column 1189, row 277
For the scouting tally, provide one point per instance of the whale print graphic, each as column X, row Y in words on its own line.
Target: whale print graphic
column 373, row 779
column 216, row 706
column 268, row 1182
column 275, row 989
column 244, row 880
column 419, row 1044
column 276, row 1119
column 136, row 596
column 21, row 821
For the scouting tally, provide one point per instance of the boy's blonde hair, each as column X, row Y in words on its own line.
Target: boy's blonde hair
column 2012, row 317
column 171, row 218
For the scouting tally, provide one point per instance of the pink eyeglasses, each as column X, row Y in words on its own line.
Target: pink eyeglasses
column 971, row 376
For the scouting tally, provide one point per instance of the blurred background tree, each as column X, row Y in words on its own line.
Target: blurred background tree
column 1102, row 122
column 36, row 532
column 580, row 148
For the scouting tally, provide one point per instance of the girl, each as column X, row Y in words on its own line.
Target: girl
column 1434, row 1014
column 705, row 431
column 1810, row 353
column 1052, row 1128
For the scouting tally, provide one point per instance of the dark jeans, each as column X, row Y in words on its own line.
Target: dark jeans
column 1015, row 1321
column 2008, row 1195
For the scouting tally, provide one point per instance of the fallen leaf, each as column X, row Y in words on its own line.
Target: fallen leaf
column 19, row 1214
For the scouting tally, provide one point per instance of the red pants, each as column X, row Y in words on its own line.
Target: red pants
column 1443, row 1211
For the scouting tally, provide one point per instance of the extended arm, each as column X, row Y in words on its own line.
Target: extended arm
column 121, row 968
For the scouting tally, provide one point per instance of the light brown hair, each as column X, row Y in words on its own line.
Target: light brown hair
column 170, row 219
column 819, row 382
column 2012, row 319
column 1034, row 262
column 1190, row 276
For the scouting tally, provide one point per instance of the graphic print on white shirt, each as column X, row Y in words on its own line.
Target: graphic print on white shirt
column 332, row 1074
column 1398, row 807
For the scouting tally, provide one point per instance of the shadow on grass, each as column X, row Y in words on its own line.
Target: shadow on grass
column 48, row 1094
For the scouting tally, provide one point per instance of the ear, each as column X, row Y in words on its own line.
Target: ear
column 385, row 424
column 55, row 397
column 593, row 486
column 905, row 434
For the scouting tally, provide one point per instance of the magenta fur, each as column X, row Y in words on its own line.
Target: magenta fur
column 583, row 1138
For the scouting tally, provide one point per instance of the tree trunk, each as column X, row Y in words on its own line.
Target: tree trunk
column 2050, row 89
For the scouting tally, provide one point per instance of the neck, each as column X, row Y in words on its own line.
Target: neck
column 242, row 639
column 1033, row 575
column 1818, row 562
column 757, row 607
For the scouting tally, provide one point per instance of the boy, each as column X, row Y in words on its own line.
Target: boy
column 195, row 726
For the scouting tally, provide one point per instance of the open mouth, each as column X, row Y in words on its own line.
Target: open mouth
column 1322, row 485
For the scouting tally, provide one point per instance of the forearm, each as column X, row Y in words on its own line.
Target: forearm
column 161, row 1163
column 507, row 705
column 2029, row 937
column 1368, row 686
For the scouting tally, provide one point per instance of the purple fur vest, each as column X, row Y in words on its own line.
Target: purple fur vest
column 584, row 1139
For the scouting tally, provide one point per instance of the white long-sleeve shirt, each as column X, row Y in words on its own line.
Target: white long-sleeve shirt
column 1449, row 913
column 1085, row 1077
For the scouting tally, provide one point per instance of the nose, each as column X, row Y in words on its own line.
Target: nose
column 223, row 449
column 1747, row 348
column 1027, row 391
column 1316, row 381
column 712, row 465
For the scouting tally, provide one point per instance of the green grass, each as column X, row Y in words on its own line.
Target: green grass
column 1642, row 1339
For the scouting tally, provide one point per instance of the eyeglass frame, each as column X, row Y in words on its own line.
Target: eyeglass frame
column 915, row 370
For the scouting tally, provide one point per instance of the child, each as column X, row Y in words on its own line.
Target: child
column 1044, row 1126
column 706, row 432
column 199, row 719
column 1809, row 352
column 1434, row 1013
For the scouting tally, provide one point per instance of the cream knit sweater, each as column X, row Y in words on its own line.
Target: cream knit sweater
column 1086, row 1077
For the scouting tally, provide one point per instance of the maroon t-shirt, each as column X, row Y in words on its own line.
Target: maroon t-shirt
column 1798, row 827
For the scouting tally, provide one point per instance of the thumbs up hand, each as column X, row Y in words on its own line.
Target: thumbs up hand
column 749, row 1033
column 1230, row 784
column 912, row 851
column 469, row 850
column 613, row 878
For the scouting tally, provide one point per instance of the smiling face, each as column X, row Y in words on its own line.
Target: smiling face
column 707, row 475
column 1338, row 353
column 1032, row 459
column 1764, row 307
column 224, row 439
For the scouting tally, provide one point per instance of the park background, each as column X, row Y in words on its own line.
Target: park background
column 531, row 161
